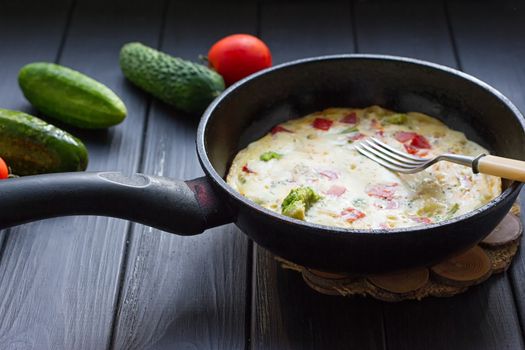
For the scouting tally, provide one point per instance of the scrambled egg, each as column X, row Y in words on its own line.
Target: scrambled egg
column 317, row 153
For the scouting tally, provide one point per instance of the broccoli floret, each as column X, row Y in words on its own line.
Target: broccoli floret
column 298, row 201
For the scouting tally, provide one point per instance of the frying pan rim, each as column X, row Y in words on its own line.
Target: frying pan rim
column 333, row 230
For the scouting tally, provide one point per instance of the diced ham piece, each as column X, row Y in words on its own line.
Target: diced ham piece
column 352, row 214
column 357, row 136
column 376, row 124
column 380, row 133
column 421, row 219
column 248, row 170
column 332, row 175
column 388, row 204
column 279, row 128
column 336, row 190
column 322, row 124
column 404, row 136
column 350, row 118
column 383, row 191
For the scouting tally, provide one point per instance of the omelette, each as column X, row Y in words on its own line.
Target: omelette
column 308, row 169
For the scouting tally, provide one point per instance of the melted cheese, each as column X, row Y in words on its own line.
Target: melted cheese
column 318, row 151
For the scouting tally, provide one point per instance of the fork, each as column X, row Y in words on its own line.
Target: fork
column 405, row 163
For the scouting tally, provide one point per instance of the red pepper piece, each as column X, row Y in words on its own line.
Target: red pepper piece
column 322, row 124
column 404, row 136
column 279, row 128
column 420, row 141
column 352, row 214
column 410, row 149
column 248, row 170
column 350, row 118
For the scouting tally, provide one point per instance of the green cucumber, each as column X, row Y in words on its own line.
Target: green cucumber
column 70, row 96
column 187, row 86
column 31, row 146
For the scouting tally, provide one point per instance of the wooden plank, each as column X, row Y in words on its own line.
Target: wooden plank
column 404, row 28
column 185, row 292
column 59, row 278
column 485, row 317
column 13, row 52
column 294, row 30
column 490, row 47
column 286, row 313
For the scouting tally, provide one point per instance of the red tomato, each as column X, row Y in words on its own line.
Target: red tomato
column 4, row 172
column 322, row 124
column 239, row 55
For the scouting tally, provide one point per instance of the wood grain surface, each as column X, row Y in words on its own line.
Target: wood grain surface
column 59, row 278
column 100, row 283
column 488, row 315
column 286, row 313
column 185, row 292
column 490, row 47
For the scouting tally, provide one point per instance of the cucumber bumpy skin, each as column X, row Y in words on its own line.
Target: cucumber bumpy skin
column 187, row 86
column 70, row 96
column 31, row 146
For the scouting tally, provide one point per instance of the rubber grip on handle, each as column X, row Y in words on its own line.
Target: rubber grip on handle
column 166, row 204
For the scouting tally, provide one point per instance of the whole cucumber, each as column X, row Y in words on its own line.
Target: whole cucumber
column 185, row 85
column 31, row 146
column 70, row 96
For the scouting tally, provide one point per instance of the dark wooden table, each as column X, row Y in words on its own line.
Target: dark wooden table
column 100, row 283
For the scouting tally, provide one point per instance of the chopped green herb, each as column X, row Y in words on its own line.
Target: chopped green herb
column 453, row 210
column 359, row 202
column 298, row 201
column 242, row 179
column 266, row 156
column 349, row 130
column 396, row 119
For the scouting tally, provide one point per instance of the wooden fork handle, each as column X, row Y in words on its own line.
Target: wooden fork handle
column 503, row 167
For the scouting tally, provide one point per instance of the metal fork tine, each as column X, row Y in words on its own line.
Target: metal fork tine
column 386, row 157
column 399, row 153
column 361, row 149
column 390, row 155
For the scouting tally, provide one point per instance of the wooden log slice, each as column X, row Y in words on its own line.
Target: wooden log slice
column 401, row 282
column 324, row 289
column 326, row 279
column 508, row 230
column 469, row 268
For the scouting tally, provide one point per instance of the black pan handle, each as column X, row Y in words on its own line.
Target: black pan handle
column 180, row 207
